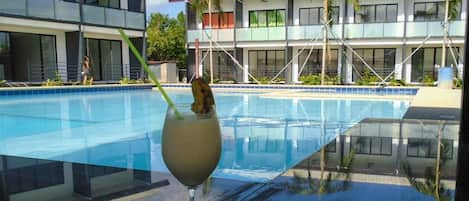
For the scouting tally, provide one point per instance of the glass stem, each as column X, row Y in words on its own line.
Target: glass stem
column 191, row 194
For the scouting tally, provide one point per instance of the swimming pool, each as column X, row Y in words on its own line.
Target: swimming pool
column 262, row 137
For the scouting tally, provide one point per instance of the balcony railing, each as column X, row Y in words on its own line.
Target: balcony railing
column 311, row 32
column 260, row 34
column 220, row 35
column 375, row 30
column 113, row 17
column 47, row 9
column 434, row 28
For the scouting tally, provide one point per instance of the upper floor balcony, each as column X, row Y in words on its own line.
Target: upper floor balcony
column 59, row 10
column 204, row 35
column 261, row 34
column 434, row 29
column 374, row 30
column 45, row 9
column 311, row 32
column 113, row 17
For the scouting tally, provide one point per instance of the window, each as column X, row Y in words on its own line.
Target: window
column 105, row 58
column 223, row 66
column 267, row 18
column 382, row 60
column 104, row 3
column 136, row 5
column 219, row 21
column 266, row 63
column 372, row 145
column 426, row 60
column 376, row 13
column 314, row 63
column 428, row 148
column 310, row 16
column 431, row 11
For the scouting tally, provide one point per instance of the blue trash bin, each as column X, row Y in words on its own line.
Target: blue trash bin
column 445, row 78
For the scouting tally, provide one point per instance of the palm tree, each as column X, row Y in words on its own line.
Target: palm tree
column 327, row 16
column 199, row 6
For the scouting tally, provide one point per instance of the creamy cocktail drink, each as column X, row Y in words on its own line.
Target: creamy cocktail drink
column 192, row 146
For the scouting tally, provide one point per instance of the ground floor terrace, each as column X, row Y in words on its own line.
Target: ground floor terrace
column 34, row 51
column 414, row 63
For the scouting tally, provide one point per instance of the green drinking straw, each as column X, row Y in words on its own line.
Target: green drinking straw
column 151, row 74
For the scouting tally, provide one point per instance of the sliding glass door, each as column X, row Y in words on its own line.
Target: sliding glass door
column 105, row 59
column 28, row 57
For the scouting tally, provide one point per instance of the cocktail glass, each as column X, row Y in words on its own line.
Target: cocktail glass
column 191, row 146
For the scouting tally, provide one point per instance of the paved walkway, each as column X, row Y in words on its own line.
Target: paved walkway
column 436, row 104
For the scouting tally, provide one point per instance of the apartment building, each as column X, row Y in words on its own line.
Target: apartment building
column 40, row 39
column 403, row 37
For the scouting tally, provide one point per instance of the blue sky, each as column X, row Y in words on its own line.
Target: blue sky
column 162, row 6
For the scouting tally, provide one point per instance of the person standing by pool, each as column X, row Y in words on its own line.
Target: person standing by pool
column 86, row 69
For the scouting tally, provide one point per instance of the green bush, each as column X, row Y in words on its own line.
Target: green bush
column 263, row 80
column 332, row 80
column 458, row 82
column 395, row 82
column 311, row 79
column 126, row 80
column 428, row 80
column 367, row 78
column 57, row 81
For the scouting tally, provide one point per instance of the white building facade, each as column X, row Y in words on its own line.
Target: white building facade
column 46, row 39
column 398, row 37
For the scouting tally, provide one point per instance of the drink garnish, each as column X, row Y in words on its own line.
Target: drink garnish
column 203, row 97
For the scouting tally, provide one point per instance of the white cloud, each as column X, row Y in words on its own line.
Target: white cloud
column 156, row 2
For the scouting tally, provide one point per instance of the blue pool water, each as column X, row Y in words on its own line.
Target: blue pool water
column 262, row 137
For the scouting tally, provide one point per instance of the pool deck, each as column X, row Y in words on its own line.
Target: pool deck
column 436, row 104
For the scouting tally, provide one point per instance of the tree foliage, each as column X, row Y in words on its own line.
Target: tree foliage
column 166, row 38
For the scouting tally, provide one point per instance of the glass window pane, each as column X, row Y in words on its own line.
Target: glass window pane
column 280, row 59
column 314, row 16
column 335, row 14
column 114, row 3
column 429, row 60
column 389, row 60
column 380, row 13
column 379, row 60
column 386, row 146
column 375, row 145
column 253, row 63
column 135, row 5
column 271, row 18
column 304, row 16
column 262, row 18
column 431, row 11
column 253, row 20
column 440, row 15
column 281, row 18
column 391, row 13
column 419, row 12
column 332, row 61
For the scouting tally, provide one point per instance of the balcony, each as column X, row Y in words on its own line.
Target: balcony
column 260, row 34
column 46, row 9
column 434, row 28
column 219, row 35
column 374, row 30
column 311, row 32
column 113, row 17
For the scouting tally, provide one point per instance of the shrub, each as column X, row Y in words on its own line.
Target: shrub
column 57, row 81
column 428, row 80
column 395, row 82
column 367, row 78
column 263, row 80
column 458, row 82
column 311, row 79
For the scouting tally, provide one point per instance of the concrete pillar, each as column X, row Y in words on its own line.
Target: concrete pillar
column 349, row 67
column 408, row 67
column 295, row 67
column 398, row 65
column 246, row 66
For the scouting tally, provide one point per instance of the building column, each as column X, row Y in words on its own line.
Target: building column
column 295, row 67
column 349, row 67
column 398, row 65
column 339, row 64
column 245, row 66
column 408, row 67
